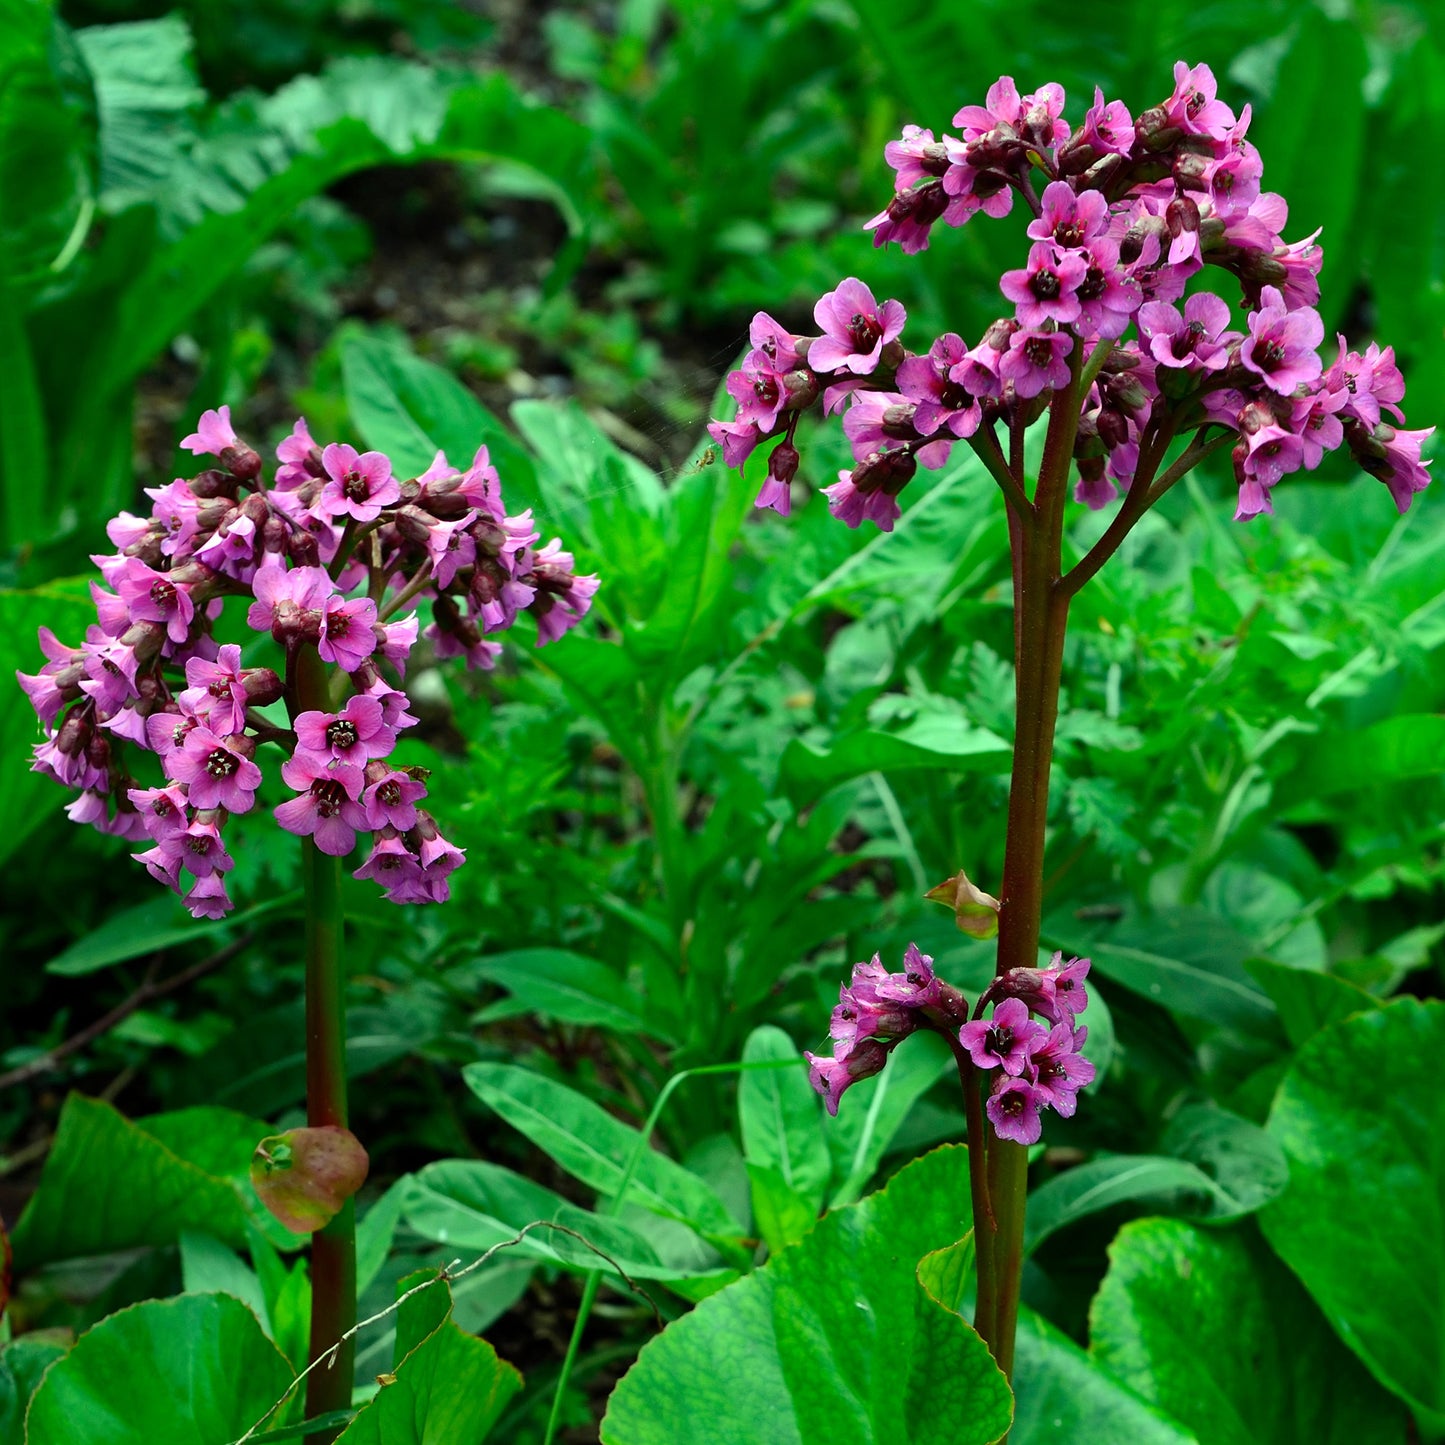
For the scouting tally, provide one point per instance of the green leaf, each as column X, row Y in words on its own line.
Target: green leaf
column 834, row 1336
column 1394, row 750
column 1360, row 1121
column 1308, row 1001
column 1185, row 959
column 65, row 608
column 143, row 1182
column 159, row 922
column 564, row 986
column 872, row 1111
column 22, row 1363
column 594, row 1147
column 1061, row 1393
column 465, row 1203
column 145, row 89
column 410, row 409
column 1209, row 1327
column 24, row 437
column 783, row 1143
column 449, row 1386
column 48, row 154
column 932, row 742
column 193, row 1370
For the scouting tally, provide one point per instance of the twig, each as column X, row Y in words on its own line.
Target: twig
column 146, row 993
column 448, row 1274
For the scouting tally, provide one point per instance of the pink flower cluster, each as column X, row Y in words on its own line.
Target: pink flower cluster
column 1126, row 213
column 1039, row 1067
column 330, row 555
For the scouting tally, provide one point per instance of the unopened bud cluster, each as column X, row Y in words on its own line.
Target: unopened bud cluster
column 330, row 555
column 1038, row 1065
column 1127, row 213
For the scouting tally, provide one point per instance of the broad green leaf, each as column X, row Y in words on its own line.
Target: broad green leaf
column 143, row 1182
column 594, row 1147
column 48, row 157
column 24, row 435
column 411, row 410
column 210, row 1267
column 65, row 608
column 22, row 1363
column 564, row 986
column 1391, row 751
column 834, row 1336
column 159, row 922
column 870, row 1112
column 1243, row 1163
column 146, row 91
column 1060, row 1393
column 1209, row 1327
column 936, row 743
column 1308, row 1001
column 448, row 1386
column 1360, row 1122
column 783, row 1143
column 193, row 1370
column 1187, row 960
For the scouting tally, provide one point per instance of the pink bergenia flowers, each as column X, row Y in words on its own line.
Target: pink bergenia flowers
column 1127, row 216
column 1039, row 1066
column 323, row 561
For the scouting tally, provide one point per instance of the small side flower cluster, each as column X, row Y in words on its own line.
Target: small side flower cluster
column 1127, row 212
column 330, row 556
column 1039, row 1064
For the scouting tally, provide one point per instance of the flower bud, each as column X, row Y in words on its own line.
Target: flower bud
column 303, row 550
column 1154, row 131
column 1191, row 172
column 261, row 685
column 213, row 483
column 783, row 464
column 802, row 389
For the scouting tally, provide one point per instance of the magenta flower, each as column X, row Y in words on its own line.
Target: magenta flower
column 284, row 597
column 1005, row 1041
column 916, row 987
column 393, row 866
column 1108, row 128
column 199, row 848
column 356, row 733
column 775, row 341
column 776, row 491
column 391, row 797
column 1045, row 289
column 162, row 811
column 1108, row 296
column 358, row 486
column 300, row 459
column 855, row 329
column 213, row 435
column 1280, row 347
column 217, row 691
column 1194, row 107
column 327, row 809
column 1068, row 993
column 347, row 638
column 871, row 489
column 208, row 898
column 1059, row 1070
column 736, row 438
column 830, row 1077
column 1013, row 1110
column 1036, row 361
column 758, row 391
column 1070, row 218
column 215, row 773
column 151, row 596
column 1197, row 341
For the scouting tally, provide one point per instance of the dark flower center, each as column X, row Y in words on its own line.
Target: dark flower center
column 1094, row 284
column 1044, row 285
column 863, row 331
column 389, row 794
column 1038, row 351
column 341, row 734
column 337, row 624
column 200, row 845
column 1000, row 1040
column 765, row 388
column 221, row 688
column 1196, row 102
column 1011, row 1104
column 1054, row 1069
column 355, row 486
column 329, row 797
column 1269, row 354
column 163, row 594
column 222, row 763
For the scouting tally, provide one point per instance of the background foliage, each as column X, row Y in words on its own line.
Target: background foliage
column 686, row 821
